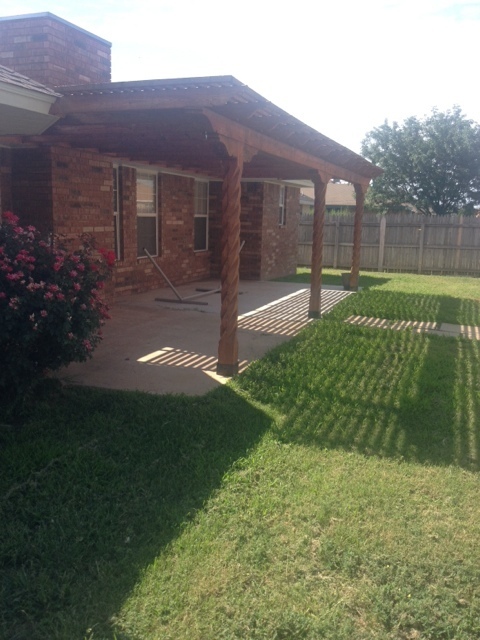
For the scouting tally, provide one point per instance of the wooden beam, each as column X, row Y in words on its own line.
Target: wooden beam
column 227, row 129
column 126, row 99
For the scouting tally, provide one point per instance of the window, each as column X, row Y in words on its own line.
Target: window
column 116, row 213
column 200, row 239
column 147, row 218
column 282, row 208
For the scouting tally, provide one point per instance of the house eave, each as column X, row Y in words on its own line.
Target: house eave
column 25, row 111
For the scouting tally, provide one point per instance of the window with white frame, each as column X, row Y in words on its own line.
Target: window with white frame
column 200, row 238
column 147, row 216
column 116, row 213
column 282, row 207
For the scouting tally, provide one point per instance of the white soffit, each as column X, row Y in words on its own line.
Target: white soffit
column 24, row 111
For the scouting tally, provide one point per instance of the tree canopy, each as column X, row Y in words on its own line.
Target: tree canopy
column 431, row 166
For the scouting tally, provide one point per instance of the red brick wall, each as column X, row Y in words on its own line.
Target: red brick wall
column 251, row 230
column 67, row 191
column 32, row 187
column 53, row 52
column 215, row 227
column 82, row 194
column 177, row 257
column 5, row 180
column 70, row 191
column 270, row 251
column 279, row 243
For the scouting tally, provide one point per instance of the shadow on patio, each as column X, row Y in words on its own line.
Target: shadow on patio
column 170, row 347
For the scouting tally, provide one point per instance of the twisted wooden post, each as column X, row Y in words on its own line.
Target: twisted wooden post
column 314, row 310
column 360, row 191
column 230, row 267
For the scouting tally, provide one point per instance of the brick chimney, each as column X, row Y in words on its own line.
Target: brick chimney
column 53, row 51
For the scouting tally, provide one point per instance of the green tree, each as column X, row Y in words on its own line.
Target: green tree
column 430, row 165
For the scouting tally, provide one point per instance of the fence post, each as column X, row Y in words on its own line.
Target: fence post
column 381, row 246
column 335, row 246
column 421, row 239
column 459, row 244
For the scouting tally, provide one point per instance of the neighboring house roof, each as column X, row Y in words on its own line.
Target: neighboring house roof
column 306, row 200
column 338, row 195
column 24, row 104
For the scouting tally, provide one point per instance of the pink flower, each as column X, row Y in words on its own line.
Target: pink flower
column 60, row 296
column 8, row 216
column 88, row 345
column 76, row 286
column 73, row 274
column 108, row 256
column 48, row 296
column 70, row 335
column 44, row 313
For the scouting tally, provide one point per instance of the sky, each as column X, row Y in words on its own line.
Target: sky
column 342, row 67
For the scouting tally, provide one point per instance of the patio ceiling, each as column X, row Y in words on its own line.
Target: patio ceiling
column 183, row 124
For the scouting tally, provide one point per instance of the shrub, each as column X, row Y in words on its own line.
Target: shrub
column 51, row 311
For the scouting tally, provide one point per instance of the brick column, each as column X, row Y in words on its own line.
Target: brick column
column 230, row 267
column 314, row 310
column 360, row 191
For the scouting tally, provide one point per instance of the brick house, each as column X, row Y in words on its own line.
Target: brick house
column 187, row 168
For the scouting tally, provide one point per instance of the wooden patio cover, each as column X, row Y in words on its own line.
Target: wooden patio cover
column 216, row 127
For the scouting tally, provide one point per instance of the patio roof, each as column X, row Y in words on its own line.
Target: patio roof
column 183, row 123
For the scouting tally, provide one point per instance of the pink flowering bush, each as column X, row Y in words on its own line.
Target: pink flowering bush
column 51, row 311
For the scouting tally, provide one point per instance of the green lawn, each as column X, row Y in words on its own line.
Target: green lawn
column 330, row 491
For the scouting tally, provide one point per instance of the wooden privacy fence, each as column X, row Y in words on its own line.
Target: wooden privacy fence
column 398, row 242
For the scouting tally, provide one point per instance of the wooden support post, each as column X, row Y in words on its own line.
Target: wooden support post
column 381, row 245
column 360, row 191
column 230, row 267
column 335, row 246
column 320, row 184
column 421, row 242
column 458, row 250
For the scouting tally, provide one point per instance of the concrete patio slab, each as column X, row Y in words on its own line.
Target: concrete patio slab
column 170, row 347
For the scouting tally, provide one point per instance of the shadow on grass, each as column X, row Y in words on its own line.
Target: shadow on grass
column 93, row 487
column 366, row 280
column 392, row 305
column 378, row 392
